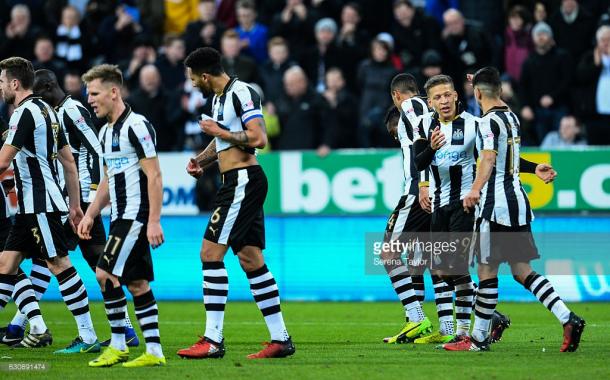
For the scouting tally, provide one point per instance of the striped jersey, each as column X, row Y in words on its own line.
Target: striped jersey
column 503, row 199
column 238, row 104
column 4, row 210
column 453, row 166
column 86, row 149
column 35, row 131
column 411, row 110
column 130, row 139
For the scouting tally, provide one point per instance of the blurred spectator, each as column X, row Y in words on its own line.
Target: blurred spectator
column 569, row 135
column 376, row 16
column 253, row 35
column 437, row 8
column 170, row 63
column 342, row 103
column 327, row 8
column 206, row 31
column 518, row 41
column 605, row 17
column 117, row 33
column 593, row 99
column 143, row 53
column 305, row 117
column 233, row 62
column 323, row 55
column 573, row 28
column 545, row 82
column 469, row 102
column 509, row 95
column 414, row 33
column 70, row 39
column 272, row 72
column 226, row 13
column 192, row 104
column 152, row 18
column 296, row 24
column 466, row 47
column 19, row 35
column 540, row 12
column 178, row 14
column 374, row 77
column 45, row 59
column 73, row 86
column 489, row 14
column 152, row 101
column 431, row 65
column 352, row 37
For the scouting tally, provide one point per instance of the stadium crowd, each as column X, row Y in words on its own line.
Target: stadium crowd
column 324, row 66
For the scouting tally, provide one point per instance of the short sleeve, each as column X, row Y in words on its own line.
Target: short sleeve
column 489, row 131
column 21, row 128
column 142, row 137
column 421, row 125
column 247, row 103
column 62, row 140
column 413, row 110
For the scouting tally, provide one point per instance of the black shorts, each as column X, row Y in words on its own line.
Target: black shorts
column 40, row 236
column 238, row 219
column 5, row 229
column 127, row 252
column 408, row 221
column 451, row 224
column 98, row 233
column 496, row 243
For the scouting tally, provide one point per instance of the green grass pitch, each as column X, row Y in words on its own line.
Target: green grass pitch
column 334, row 341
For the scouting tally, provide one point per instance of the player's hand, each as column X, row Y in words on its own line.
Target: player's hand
column 546, row 173
column 75, row 217
column 471, row 200
column 210, row 127
column 154, row 233
column 84, row 228
column 193, row 168
column 437, row 140
column 424, row 199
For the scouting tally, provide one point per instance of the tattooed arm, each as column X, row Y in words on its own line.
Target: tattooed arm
column 254, row 136
column 202, row 161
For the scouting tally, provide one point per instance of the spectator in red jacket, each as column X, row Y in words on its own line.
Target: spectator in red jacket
column 518, row 42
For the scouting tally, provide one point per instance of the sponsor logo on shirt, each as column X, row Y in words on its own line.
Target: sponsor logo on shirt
column 116, row 163
column 450, row 155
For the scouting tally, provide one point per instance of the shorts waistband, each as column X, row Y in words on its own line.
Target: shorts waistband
column 234, row 173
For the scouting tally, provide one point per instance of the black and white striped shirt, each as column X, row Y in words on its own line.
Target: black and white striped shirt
column 503, row 199
column 82, row 137
column 4, row 210
column 454, row 165
column 411, row 111
column 131, row 139
column 35, row 131
column 237, row 105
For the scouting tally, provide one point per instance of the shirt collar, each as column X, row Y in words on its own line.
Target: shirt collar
column 31, row 96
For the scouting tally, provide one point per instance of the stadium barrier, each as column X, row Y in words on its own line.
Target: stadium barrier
column 320, row 210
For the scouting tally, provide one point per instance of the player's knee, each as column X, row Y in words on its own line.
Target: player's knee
column 250, row 260
column 58, row 264
column 8, row 264
column 211, row 252
column 101, row 277
column 139, row 287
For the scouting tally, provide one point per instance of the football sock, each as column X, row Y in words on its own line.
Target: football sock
column 75, row 296
column 463, row 303
column 443, row 297
column 25, row 299
column 403, row 285
column 418, row 285
column 215, row 292
column 487, row 299
column 147, row 313
column 543, row 290
column 116, row 308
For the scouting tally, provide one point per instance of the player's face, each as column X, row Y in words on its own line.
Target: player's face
column 201, row 82
column 8, row 93
column 443, row 99
column 100, row 97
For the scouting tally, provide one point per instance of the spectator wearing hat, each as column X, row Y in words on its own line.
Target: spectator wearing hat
column 206, row 31
column 374, row 77
column 593, row 97
column 324, row 55
column 414, row 33
column 573, row 28
column 253, row 35
column 545, row 82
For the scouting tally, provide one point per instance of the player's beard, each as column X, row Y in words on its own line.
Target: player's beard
column 206, row 91
column 8, row 98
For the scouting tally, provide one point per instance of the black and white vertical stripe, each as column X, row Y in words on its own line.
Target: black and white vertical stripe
column 5, row 212
column 82, row 137
column 124, row 144
column 73, row 291
column 503, row 199
column 454, row 165
column 147, row 313
column 411, row 111
column 35, row 131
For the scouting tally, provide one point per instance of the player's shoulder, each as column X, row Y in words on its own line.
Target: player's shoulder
column 136, row 120
column 243, row 90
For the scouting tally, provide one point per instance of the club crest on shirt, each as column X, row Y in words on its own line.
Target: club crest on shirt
column 115, row 139
column 457, row 137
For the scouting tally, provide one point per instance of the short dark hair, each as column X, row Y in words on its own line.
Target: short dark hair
column 488, row 81
column 355, row 6
column 45, row 77
column 204, row 61
column 404, row 83
column 20, row 69
column 246, row 4
column 438, row 80
column 398, row 3
column 391, row 115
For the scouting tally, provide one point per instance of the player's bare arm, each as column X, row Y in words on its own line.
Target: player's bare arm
column 72, row 184
column 203, row 160
column 7, row 154
column 484, row 169
column 102, row 197
column 254, row 136
column 154, row 232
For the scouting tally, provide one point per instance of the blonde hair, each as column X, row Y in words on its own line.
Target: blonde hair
column 105, row 73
